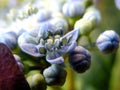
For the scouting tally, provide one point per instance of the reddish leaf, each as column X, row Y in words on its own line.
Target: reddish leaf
column 11, row 78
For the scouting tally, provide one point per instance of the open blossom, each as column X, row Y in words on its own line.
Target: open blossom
column 49, row 41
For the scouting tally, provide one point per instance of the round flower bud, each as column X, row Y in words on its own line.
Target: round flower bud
column 9, row 38
column 55, row 75
column 61, row 24
column 43, row 15
column 84, row 26
column 93, row 16
column 73, row 8
column 36, row 81
column 108, row 41
column 80, row 59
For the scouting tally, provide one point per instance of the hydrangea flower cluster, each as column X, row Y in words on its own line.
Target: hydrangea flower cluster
column 48, row 41
column 44, row 32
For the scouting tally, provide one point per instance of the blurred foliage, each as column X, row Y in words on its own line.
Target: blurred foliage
column 104, row 73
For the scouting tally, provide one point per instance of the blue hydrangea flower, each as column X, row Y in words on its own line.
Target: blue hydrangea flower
column 108, row 41
column 48, row 41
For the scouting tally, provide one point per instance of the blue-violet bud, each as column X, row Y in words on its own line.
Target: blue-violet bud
column 55, row 75
column 73, row 8
column 80, row 59
column 9, row 38
column 43, row 15
column 108, row 41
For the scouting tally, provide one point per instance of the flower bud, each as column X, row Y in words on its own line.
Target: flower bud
column 84, row 26
column 108, row 41
column 9, row 38
column 61, row 24
column 46, row 30
column 93, row 15
column 80, row 59
column 36, row 81
column 43, row 15
column 73, row 8
column 55, row 75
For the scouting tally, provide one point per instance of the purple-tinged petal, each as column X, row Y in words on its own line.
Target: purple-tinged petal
column 67, row 49
column 68, row 42
column 46, row 30
column 71, row 36
column 27, row 38
column 31, row 49
column 54, row 58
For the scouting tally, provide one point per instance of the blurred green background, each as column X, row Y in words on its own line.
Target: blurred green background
column 104, row 73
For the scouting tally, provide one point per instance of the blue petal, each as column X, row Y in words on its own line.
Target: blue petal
column 73, row 35
column 46, row 29
column 71, row 42
column 28, row 44
column 27, row 38
column 31, row 49
column 54, row 58
column 67, row 49
column 60, row 24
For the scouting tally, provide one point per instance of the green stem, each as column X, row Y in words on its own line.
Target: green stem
column 70, row 80
column 91, row 45
column 89, row 39
column 54, row 88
